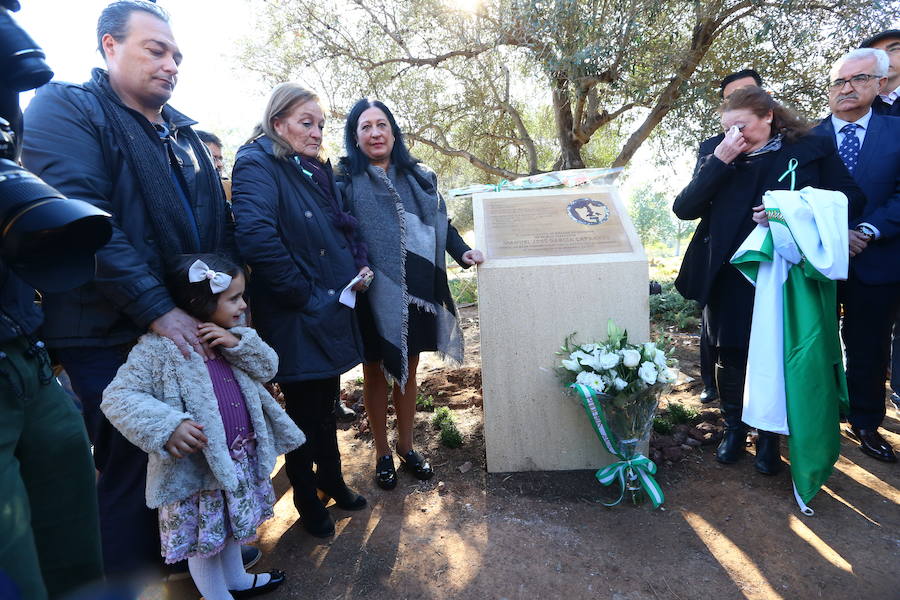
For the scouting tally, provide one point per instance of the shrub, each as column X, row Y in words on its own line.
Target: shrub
column 440, row 415
column 450, row 435
column 662, row 425
column 443, row 420
column 671, row 308
column 463, row 289
column 424, row 402
column 679, row 413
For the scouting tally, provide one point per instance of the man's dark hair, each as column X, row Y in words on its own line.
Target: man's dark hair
column 356, row 161
column 197, row 299
column 739, row 75
column 114, row 19
column 878, row 37
column 209, row 138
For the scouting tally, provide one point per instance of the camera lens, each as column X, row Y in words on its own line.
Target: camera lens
column 49, row 239
column 22, row 65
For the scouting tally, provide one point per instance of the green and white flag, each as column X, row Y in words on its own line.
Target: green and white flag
column 795, row 380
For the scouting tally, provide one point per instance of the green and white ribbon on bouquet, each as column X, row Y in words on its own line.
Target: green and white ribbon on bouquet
column 637, row 468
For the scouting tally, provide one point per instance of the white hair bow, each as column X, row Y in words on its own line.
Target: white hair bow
column 218, row 282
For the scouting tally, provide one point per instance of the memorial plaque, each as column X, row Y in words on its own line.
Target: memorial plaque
column 558, row 260
column 558, row 224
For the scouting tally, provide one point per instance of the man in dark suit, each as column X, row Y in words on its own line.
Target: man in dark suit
column 888, row 101
column 730, row 83
column 869, row 145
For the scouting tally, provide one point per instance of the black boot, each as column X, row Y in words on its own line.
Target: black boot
column 305, row 403
column 329, row 477
column 730, row 383
column 768, row 453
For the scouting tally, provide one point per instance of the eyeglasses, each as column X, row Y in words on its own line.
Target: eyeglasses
column 855, row 81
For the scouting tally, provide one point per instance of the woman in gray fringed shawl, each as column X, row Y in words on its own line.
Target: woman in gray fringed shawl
column 408, row 309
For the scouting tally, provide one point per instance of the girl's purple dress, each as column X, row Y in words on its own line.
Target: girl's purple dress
column 200, row 524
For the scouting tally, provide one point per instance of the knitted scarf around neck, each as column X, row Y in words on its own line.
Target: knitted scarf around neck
column 149, row 164
column 403, row 220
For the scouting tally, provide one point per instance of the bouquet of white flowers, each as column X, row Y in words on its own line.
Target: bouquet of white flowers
column 619, row 385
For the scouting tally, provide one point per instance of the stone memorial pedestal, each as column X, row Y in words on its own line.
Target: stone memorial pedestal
column 557, row 261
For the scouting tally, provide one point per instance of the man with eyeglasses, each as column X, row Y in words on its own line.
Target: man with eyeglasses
column 888, row 101
column 869, row 145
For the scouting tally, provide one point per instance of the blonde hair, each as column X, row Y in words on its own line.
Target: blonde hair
column 285, row 97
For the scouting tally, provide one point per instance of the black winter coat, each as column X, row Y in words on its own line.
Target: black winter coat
column 19, row 314
column 722, row 196
column 69, row 144
column 299, row 263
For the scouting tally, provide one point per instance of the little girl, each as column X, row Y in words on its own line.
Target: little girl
column 210, row 428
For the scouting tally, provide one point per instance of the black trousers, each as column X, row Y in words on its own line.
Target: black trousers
column 129, row 531
column 708, row 357
column 869, row 312
column 311, row 405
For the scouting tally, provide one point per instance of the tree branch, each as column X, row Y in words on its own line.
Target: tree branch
column 474, row 160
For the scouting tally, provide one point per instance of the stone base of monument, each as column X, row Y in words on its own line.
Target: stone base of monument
column 557, row 261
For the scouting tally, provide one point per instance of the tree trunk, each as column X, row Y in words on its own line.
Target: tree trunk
column 569, row 145
column 703, row 37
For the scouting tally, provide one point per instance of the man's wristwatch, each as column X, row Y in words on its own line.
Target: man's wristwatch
column 867, row 231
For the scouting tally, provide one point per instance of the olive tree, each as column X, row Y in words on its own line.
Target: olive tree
column 513, row 87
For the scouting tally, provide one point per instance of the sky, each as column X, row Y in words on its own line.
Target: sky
column 212, row 88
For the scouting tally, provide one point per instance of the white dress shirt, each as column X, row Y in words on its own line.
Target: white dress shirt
column 863, row 123
column 890, row 97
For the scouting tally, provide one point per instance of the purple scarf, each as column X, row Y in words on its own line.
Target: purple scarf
column 341, row 219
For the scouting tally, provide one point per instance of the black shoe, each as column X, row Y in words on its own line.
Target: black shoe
column 276, row 578
column 315, row 518
column 344, row 497
column 342, row 412
column 417, row 464
column 872, row 444
column 731, row 448
column 708, row 395
column 768, row 453
column 385, row 474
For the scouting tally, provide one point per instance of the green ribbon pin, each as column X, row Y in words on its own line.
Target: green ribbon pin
column 792, row 171
column 637, row 468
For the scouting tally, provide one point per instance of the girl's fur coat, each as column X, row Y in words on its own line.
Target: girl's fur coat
column 157, row 388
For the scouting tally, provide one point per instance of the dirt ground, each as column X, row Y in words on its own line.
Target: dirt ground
column 724, row 531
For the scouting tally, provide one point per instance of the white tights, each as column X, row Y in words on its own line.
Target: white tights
column 216, row 575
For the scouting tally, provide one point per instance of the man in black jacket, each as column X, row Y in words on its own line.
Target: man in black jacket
column 116, row 143
column 888, row 101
